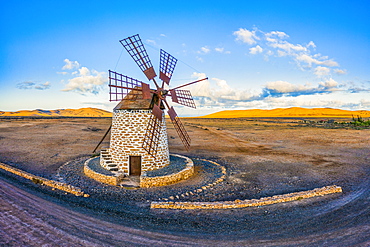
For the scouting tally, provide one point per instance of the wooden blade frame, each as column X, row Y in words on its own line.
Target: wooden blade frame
column 136, row 49
column 152, row 136
column 181, row 132
column 182, row 97
column 166, row 66
column 179, row 128
column 121, row 85
column 157, row 112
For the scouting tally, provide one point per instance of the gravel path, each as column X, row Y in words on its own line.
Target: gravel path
column 205, row 173
column 261, row 158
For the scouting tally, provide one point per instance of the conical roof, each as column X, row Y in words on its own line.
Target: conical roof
column 134, row 101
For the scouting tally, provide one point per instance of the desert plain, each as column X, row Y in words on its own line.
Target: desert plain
column 262, row 156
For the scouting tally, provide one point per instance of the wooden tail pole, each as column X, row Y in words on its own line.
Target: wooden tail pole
column 103, row 138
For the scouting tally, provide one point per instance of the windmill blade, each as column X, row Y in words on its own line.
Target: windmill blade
column 157, row 112
column 120, row 86
column 166, row 66
column 179, row 128
column 171, row 112
column 146, row 91
column 152, row 135
column 134, row 46
column 182, row 97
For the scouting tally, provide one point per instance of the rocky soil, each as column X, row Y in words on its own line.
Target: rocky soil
column 263, row 157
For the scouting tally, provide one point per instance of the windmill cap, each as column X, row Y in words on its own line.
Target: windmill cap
column 134, row 101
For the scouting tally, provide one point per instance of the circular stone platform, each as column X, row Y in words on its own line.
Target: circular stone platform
column 180, row 168
column 207, row 174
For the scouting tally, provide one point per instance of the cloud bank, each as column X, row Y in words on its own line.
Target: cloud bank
column 216, row 94
column 27, row 85
column 84, row 80
column 275, row 43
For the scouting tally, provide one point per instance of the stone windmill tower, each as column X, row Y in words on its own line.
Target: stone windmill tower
column 138, row 132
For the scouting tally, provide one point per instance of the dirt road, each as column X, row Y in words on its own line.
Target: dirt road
column 262, row 158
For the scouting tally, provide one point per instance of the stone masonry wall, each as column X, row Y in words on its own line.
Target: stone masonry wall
column 127, row 135
column 103, row 178
column 147, row 182
column 51, row 183
column 249, row 203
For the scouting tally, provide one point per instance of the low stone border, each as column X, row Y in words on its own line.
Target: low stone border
column 188, row 171
column 43, row 181
column 112, row 179
column 249, row 203
column 203, row 188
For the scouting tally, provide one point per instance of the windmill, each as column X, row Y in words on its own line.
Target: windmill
column 138, row 131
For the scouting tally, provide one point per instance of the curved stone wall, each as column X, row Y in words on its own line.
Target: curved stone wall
column 108, row 178
column 43, row 181
column 249, row 203
column 146, row 182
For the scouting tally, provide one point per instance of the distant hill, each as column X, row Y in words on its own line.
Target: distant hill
column 290, row 112
column 83, row 112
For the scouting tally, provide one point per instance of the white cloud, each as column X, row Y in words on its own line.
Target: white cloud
column 204, row 50
column 275, row 36
column 25, row 85
column 365, row 104
column 86, row 81
column 269, row 53
column 285, row 87
column 199, row 59
column 322, row 71
column 28, row 85
column 340, row 71
column 329, row 84
column 279, row 34
column 281, row 53
column 275, row 43
column 311, row 44
column 220, row 50
column 217, row 94
column 306, row 58
column 201, row 88
column 288, row 47
column 70, row 64
column 246, row 36
column 44, row 86
column 255, row 50
column 216, row 91
column 150, row 41
column 84, row 71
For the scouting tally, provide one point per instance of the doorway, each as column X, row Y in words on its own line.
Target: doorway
column 135, row 165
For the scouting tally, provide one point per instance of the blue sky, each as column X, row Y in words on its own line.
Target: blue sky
column 257, row 54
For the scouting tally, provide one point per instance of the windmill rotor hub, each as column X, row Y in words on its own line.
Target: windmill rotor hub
column 162, row 93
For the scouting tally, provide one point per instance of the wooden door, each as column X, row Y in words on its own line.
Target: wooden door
column 135, row 165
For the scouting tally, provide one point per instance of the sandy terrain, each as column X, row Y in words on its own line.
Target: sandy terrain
column 263, row 157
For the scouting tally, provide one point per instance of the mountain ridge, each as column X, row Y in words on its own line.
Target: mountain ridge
column 289, row 112
column 277, row 112
column 81, row 112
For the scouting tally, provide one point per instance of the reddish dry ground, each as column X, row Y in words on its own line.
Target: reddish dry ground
column 262, row 157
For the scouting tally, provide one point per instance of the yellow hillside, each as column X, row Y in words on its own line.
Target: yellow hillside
column 290, row 112
column 83, row 112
